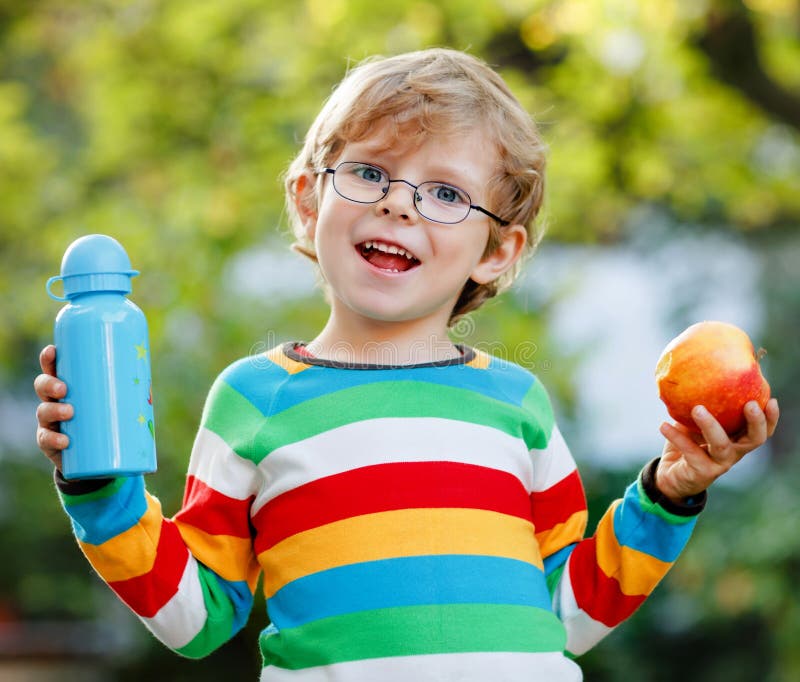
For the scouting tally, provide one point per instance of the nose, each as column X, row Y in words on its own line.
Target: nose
column 399, row 202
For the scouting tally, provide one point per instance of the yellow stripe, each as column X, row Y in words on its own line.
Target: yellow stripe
column 406, row 532
column 637, row 572
column 230, row 557
column 277, row 356
column 129, row 554
column 562, row 534
column 480, row 361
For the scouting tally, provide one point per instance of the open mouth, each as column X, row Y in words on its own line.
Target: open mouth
column 389, row 257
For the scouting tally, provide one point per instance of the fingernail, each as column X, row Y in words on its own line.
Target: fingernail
column 59, row 386
column 700, row 411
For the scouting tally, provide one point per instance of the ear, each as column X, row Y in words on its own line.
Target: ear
column 503, row 258
column 305, row 202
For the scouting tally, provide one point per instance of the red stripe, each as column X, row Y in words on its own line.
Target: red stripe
column 596, row 593
column 213, row 512
column 385, row 487
column 147, row 593
column 560, row 501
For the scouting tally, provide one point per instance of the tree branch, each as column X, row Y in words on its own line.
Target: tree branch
column 730, row 42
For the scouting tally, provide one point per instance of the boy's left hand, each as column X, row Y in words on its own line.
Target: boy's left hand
column 690, row 463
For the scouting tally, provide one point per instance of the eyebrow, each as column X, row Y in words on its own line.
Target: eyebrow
column 374, row 147
column 455, row 175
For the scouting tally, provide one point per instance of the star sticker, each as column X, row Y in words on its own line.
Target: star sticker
column 141, row 351
column 141, row 419
column 136, row 381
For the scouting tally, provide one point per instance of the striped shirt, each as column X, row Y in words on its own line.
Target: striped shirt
column 421, row 522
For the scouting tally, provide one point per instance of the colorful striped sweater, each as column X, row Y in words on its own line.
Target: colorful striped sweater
column 422, row 522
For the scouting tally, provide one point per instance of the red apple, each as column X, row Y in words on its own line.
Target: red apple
column 711, row 364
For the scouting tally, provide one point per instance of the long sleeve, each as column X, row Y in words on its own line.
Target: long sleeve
column 191, row 578
column 599, row 581
column 609, row 575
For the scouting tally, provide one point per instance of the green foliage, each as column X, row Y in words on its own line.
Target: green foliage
column 168, row 124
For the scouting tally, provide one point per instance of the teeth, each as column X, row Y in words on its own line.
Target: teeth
column 389, row 248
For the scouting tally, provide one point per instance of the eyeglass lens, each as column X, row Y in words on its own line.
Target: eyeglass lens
column 366, row 184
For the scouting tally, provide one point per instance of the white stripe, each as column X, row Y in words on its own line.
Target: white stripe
column 469, row 667
column 583, row 631
column 381, row 441
column 216, row 465
column 180, row 620
column 553, row 463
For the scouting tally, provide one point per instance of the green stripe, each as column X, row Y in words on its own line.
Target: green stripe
column 232, row 417
column 415, row 630
column 384, row 399
column 100, row 494
column 537, row 403
column 553, row 579
column 219, row 622
column 655, row 508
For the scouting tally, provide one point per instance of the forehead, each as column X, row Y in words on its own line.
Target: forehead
column 465, row 152
column 391, row 133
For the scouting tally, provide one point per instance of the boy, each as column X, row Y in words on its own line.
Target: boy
column 411, row 503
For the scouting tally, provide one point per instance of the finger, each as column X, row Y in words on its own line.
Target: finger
column 684, row 442
column 756, row 424
column 51, row 443
column 50, row 414
column 693, row 434
column 719, row 443
column 773, row 413
column 47, row 359
column 49, row 388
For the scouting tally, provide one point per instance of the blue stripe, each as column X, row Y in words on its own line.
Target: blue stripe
column 515, row 380
column 639, row 529
column 258, row 384
column 552, row 562
column 408, row 581
column 256, row 378
column 240, row 597
column 97, row 521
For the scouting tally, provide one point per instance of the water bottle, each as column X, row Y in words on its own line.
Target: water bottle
column 103, row 356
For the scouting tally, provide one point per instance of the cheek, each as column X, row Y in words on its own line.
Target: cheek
column 467, row 248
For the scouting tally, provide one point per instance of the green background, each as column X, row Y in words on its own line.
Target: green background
column 168, row 124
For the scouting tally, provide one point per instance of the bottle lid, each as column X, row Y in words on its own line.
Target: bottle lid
column 95, row 262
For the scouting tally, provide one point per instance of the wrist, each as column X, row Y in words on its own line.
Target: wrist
column 680, row 506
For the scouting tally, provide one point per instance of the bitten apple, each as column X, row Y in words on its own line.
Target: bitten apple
column 712, row 364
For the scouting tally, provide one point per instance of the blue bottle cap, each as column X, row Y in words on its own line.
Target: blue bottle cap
column 95, row 262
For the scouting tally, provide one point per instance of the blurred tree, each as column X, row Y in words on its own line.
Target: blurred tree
column 168, row 123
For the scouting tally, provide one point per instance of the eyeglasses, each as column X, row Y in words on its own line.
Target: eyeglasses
column 435, row 201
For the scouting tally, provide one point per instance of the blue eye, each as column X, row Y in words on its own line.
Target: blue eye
column 369, row 173
column 447, row 194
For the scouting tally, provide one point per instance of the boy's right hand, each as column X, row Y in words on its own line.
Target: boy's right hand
column 50, row 413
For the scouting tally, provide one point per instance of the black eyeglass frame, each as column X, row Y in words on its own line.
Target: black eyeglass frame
column 389, row 181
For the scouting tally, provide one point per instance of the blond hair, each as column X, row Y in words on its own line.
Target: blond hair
column 432, row 92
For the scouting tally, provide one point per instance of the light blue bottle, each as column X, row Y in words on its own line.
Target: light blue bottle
column 103, row 355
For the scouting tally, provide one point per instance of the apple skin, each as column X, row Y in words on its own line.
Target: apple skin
column 712, row 364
